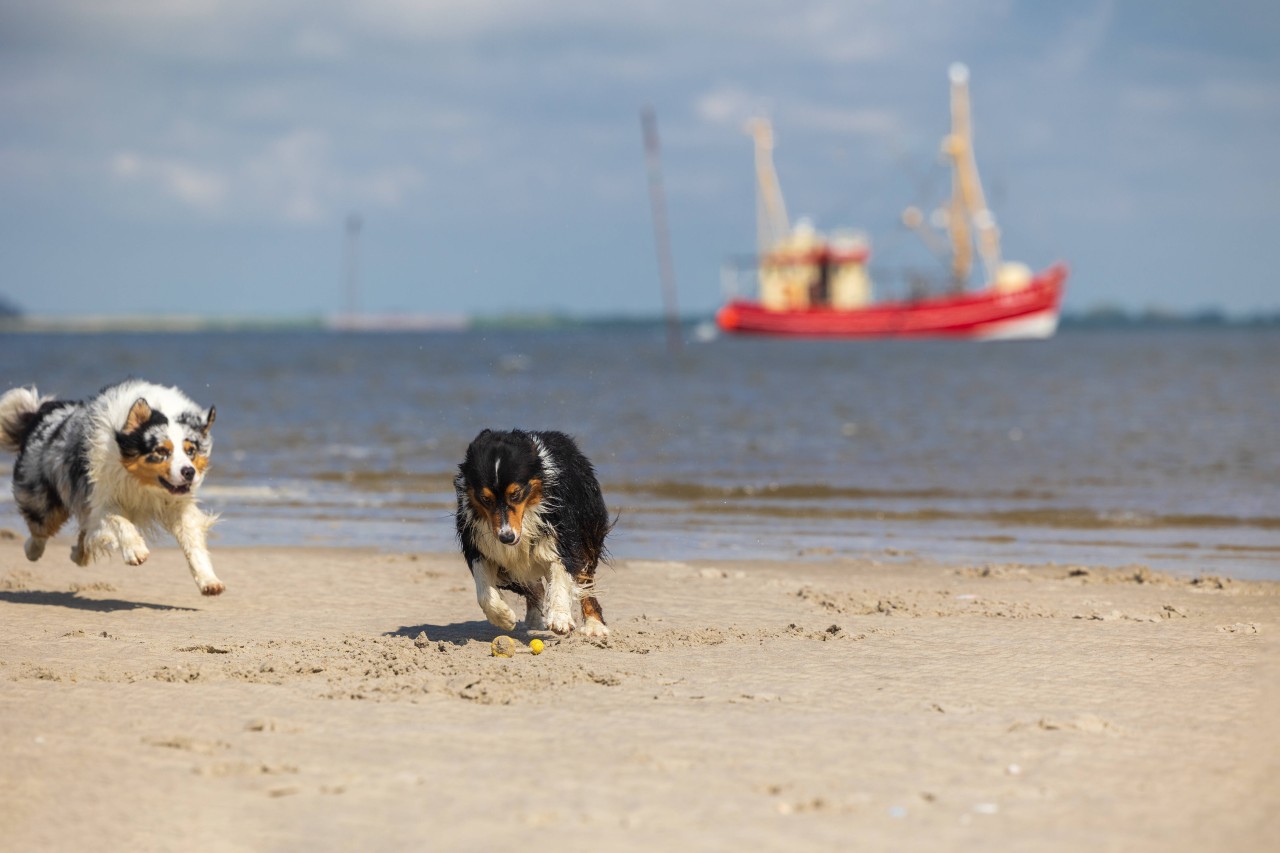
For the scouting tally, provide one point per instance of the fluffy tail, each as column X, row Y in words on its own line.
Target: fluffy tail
column 17, row 415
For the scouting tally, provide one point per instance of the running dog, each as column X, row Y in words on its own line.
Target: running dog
column 531, row 519
column 124, row 463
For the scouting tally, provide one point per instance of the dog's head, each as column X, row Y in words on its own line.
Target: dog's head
column 500, row 480
column 166, row 453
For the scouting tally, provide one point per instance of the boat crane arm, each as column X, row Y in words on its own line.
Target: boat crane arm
column 772, row 224
column 968, row 204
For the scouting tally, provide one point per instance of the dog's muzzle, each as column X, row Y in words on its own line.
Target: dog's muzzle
column 508, row 536
column 175, row 488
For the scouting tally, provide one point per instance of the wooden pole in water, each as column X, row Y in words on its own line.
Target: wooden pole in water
column 661, row 234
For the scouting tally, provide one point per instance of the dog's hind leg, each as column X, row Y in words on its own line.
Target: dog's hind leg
column 535, row 617
column 191, row 528
column 495, row 609
column 43, row 524
column 80, row 552
column 592, row 614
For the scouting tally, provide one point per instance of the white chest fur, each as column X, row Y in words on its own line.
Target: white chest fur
column 529, row 560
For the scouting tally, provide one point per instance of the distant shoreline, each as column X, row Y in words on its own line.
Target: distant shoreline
column 1100, row 319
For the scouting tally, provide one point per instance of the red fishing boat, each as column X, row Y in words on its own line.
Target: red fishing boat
column 813, row 285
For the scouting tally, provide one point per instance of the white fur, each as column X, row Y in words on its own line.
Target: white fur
column 550, row 471
column 561, row 595
column 119, row 505
column 531, row 561
column 13, row 405
column 489, row 596
column 593, row 627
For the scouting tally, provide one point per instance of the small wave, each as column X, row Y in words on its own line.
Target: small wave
column 1068, row 518
column 684, row 490
column 377, row 480
column 253, row 493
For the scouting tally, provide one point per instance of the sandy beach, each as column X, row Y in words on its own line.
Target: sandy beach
column 338, row 700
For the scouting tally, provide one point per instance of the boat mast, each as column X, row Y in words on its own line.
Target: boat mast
column 968, row 204
column 772, row 224
column 661, row 230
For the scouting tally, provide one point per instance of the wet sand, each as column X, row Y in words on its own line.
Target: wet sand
column 337, row 700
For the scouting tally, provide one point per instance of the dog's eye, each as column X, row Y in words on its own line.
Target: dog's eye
column 191, row 449
column 487, row 500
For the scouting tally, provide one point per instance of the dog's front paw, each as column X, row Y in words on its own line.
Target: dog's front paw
column 80, row 555
column 214, row 587
column 594, row 628
column 561, row 623
column 135, row 553
column 501, row 615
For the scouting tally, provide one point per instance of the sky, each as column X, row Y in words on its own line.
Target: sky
column 203, row 156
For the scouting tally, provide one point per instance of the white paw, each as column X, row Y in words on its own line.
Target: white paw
column 135, row 553
column 561, row 623
column 594, row 628
column 213, row 587
column 500, row 614
column 34, row 549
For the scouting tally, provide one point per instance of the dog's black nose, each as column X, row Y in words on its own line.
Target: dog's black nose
column 188, row 473
column 507, row 537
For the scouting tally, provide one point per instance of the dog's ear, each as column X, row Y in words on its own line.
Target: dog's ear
column 138, row 415
column 213, row 413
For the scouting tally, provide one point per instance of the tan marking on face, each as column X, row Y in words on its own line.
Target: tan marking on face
column 198, row 461
column 138, row 415
column 532, row 498
column 478, row 506
column 147, row 469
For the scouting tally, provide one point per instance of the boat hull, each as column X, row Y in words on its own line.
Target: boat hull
column 1030, row 312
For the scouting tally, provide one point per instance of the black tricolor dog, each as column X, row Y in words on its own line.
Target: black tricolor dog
column 531, row 519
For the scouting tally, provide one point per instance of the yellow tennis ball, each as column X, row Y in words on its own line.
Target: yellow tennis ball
column 536, row 646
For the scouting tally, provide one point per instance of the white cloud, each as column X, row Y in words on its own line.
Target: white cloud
column 293, row 179
column 192, row 185
column 296, row 177
column 730, row 106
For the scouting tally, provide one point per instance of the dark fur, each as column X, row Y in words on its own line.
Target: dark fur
column 40, row 500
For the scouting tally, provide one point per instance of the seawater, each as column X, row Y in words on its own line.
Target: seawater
column 1098, row 447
